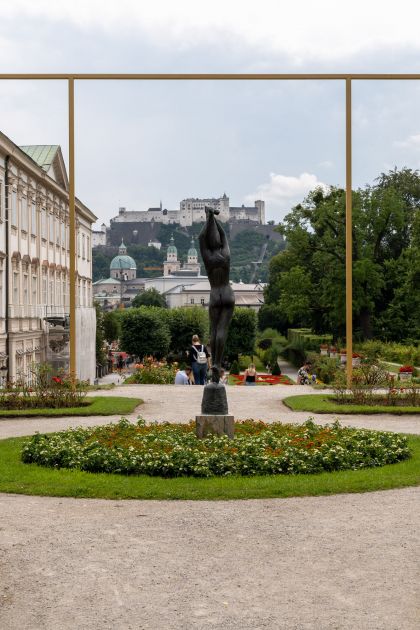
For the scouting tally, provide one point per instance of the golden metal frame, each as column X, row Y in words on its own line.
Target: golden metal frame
column 346, row 77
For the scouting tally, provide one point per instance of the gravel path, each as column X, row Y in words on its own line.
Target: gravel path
column 342, row 562
column 179, row 404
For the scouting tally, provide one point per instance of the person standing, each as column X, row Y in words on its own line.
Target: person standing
column 199, row 360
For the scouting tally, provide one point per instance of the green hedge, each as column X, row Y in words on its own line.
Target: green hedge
column 306, row 339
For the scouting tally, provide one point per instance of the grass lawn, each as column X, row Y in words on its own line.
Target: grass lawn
column 19, row 478
column 98, row 406
column 324, row 403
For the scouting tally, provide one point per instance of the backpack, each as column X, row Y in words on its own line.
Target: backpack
column 201, row 355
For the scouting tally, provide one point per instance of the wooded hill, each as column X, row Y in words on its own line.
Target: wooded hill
column 247, row 244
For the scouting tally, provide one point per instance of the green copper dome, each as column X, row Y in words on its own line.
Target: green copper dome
column 123, row 261
column 171, row 248
column 192, row 251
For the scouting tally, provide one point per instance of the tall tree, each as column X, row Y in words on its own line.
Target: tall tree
column 310, row 275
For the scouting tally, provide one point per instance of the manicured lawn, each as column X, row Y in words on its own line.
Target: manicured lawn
column 324, row 403
column 98, row 406
column 19, row 478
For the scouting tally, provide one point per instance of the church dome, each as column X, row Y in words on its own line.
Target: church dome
column 192, row 251
column 171, row 248
column 123, row 261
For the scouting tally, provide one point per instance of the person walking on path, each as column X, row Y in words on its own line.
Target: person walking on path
column 183, row 377
column 120, row 364
column 199, row 360
column 250, row 376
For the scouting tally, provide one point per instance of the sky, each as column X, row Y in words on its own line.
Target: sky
column 142, row 143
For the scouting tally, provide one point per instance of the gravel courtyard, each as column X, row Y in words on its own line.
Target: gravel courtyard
column 337, row 562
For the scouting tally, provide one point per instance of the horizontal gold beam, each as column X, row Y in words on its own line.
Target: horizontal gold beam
column 212, row 77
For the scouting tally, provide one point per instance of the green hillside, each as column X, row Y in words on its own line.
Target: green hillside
column 246, row 247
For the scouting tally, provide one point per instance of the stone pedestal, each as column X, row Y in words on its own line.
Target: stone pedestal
column 214, row 425
column 214, row 400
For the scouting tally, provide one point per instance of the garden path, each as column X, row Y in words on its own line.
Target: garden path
column 315, row 563
column 332, row 562
column 172, row 403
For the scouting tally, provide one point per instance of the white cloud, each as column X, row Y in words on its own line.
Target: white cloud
column 282, row 192
column 302, row 30
column 412, row 142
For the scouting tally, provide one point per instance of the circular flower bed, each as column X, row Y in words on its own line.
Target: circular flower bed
column 172, row 450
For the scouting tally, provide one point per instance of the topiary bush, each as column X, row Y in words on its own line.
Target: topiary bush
column 234, row 368
column 275, row 370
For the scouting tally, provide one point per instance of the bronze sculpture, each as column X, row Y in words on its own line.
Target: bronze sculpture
column 215, row 252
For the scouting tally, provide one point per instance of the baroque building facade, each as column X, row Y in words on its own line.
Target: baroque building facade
column 34, row 264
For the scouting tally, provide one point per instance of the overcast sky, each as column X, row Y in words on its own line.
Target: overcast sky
column 141, row 143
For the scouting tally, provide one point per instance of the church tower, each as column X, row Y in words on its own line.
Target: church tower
column 192, row 259
column 171, row 263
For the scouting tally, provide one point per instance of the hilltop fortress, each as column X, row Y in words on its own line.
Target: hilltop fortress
column 190, row 211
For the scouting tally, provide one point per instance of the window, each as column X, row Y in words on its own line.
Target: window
column 23, row 204
column 51, row 289
column 44, row 224
column 192, row 301
column 202, row 301
column 51, row 227
column 25, row 288
column 13, row 216
column 63, row 234
column 83, row 247
column 34, row 290
column 33, row 218
column 15, row 287
column 44, row 286
column 87, row 248
column 57, row 231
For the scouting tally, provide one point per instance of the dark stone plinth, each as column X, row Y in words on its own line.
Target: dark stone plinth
column 214, row 425
column 214, row 400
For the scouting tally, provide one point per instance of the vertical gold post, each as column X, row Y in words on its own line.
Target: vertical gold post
column 72, row 212
column 349, row 239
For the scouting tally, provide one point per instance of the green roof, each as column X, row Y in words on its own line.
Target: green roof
column 42, row 154
column 123, row 262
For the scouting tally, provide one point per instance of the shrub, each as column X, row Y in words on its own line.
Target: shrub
column 185, row 322
column 391, row 351
column 242, row 333
column 172, row 450
column 145, row 332
column 324, row 367
column 153, row 373
column 234, row 368
column 45, row 390
column 275, row 370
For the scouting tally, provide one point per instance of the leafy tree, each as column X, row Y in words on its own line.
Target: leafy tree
column 184, row 322
column 111, row 326
column 99, row 341
column 145, row 332
column 385, row 252
column 100, row 264
column 150, row 297
column 242, row 333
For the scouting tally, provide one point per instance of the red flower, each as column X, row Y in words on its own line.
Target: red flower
column 57, row 379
